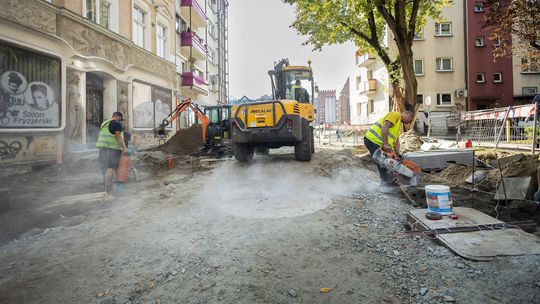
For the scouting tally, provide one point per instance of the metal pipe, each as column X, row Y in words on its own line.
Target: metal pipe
column 535, row 123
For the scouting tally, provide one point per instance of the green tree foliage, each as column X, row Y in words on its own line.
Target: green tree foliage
column 365, row 22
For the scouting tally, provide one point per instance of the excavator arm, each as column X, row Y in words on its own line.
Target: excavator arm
column 181, row 107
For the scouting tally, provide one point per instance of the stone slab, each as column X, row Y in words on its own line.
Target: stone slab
column 477, row 245
column 516, row 188
column 439, row 160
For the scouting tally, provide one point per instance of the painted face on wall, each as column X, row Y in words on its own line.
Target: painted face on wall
column 40, row 99
column 13, row 87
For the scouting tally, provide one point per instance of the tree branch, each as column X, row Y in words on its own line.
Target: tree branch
column 412, row 19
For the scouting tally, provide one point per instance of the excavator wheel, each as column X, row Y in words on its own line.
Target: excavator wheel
column 242, row 152
column 302, row 149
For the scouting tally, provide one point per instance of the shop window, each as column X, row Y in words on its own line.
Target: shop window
column 151, row 104
column 30, row 89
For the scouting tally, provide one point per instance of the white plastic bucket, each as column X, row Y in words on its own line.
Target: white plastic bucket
column 439, row 199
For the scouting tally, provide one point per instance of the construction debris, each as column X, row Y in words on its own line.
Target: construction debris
column 410, row 141
column 184, row 141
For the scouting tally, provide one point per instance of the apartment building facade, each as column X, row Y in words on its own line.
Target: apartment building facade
column 454, row 66
column 65, row 66
column 370, row 90
column 344, row 109
column 326, row 106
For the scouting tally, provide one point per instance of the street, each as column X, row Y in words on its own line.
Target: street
column 271, row 231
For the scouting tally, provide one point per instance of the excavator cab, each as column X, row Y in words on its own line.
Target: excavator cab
column 292, row 83
column 219, row 124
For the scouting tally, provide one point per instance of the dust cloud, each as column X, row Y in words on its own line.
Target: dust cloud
column 271, row 188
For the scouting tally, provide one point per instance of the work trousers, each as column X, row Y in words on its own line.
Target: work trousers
column 386, row 177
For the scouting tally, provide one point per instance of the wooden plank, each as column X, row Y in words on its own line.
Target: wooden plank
column 87, row 198
column 481, row 245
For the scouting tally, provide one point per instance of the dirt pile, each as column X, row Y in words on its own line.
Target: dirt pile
column 184, row 142
column 455, row 174
column 410, row 142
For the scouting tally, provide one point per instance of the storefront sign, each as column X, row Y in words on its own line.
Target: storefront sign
column 30, row 86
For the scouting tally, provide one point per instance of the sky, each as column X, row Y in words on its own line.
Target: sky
column 259, row 35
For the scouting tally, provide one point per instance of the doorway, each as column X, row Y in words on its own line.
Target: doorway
column 94, row 106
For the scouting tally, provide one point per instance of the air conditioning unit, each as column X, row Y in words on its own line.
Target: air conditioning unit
column 460, row 93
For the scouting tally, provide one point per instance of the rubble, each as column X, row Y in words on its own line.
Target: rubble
column 410, row 141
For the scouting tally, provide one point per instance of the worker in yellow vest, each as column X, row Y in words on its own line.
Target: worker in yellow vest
column 384, row 134
column 111, row 145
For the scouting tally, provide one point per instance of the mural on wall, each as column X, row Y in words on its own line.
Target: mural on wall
column 151, row 105
column 29, row 89
column 74, row 117
column 20, row 148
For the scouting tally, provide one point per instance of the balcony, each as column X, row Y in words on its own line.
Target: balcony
column 192, row 45
column 364, row 59
column 194, row 13
column 194, row 82
column 370, row 87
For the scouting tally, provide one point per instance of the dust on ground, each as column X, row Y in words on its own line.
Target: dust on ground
column 226, row 234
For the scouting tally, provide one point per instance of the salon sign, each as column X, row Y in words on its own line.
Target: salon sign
column 29, row 89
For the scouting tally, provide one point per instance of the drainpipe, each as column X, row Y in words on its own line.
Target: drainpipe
column 466, row 19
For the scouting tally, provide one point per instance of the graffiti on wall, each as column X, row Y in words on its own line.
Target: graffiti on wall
column 10, row 149
column 27, row 148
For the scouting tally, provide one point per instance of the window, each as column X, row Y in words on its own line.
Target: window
column 418, row 67
column 443, row 29
column 418, row 36
column 529, row 90
column 370, row 74
column 497, row 42
column 358, row 81
column 420, row 99
column 479, row 40
column 530, row 66
column 478, row 7
column 212, row 30
column 443, row 64
column 480, row 77
column 211, row 55
column 161, row 40
column 371, row 106
column 98, row 11
column 138, row 26
column 444, row 99
column 181, row 26
column 497, row 77
column 359, row 109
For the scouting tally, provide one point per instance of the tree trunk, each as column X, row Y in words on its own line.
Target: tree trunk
column 407, row 68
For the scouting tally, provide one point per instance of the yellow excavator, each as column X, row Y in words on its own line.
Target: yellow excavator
column 284, row 121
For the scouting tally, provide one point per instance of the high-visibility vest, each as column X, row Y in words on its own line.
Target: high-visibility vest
column 106, row 139
column 374, row 134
